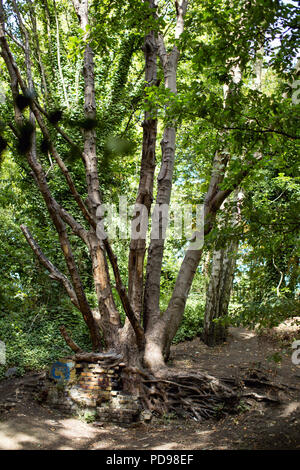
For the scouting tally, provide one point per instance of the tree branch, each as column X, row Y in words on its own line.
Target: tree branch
column 262, row 131
column 54, row 272
column 37, row 169
column 138, row 330
column 69, row 340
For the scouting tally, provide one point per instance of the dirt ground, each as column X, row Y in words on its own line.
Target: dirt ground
column 258, row 426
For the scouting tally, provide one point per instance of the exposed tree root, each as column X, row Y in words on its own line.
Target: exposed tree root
column 197, row 395
column 190, row 395
column 256, row 378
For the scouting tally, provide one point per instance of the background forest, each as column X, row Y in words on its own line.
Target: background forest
column 254, row 256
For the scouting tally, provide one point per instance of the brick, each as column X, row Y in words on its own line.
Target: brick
column 86, row 374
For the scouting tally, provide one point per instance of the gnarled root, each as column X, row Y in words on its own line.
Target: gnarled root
column 190, row 395
column 196, row 395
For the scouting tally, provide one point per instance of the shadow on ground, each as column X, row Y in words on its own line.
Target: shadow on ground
column 258, row 426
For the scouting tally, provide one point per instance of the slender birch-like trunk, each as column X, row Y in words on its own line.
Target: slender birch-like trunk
column 220, row 285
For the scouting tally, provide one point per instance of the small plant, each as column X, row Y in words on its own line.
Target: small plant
column 242, row 407
column 89, row 416
column 276, row 357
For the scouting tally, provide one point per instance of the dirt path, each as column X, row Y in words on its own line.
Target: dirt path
column 31, row 426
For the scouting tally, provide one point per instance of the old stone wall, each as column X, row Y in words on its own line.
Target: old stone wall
column 92, row 390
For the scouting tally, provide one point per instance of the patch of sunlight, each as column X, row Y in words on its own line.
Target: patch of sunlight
column 290, row 408
column 70, row 427
column 167, row 446
column 65, row 448
column 14, row 441
column 203, row 433
column 247, row 334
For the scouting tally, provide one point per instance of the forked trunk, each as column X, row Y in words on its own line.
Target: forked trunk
column 145, row 339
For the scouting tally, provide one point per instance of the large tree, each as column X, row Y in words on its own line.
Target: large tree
column 144, row 339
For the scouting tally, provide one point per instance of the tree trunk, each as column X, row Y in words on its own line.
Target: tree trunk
column 153, row 321
column 218, row 294
column 220, row 285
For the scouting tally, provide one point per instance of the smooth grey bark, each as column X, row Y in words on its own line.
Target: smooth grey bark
column 218, row 296
column 219, row 288
column 213, row 200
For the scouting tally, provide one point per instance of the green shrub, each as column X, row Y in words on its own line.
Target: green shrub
column 33, row 341
column 191, row 325
column 270, row 312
